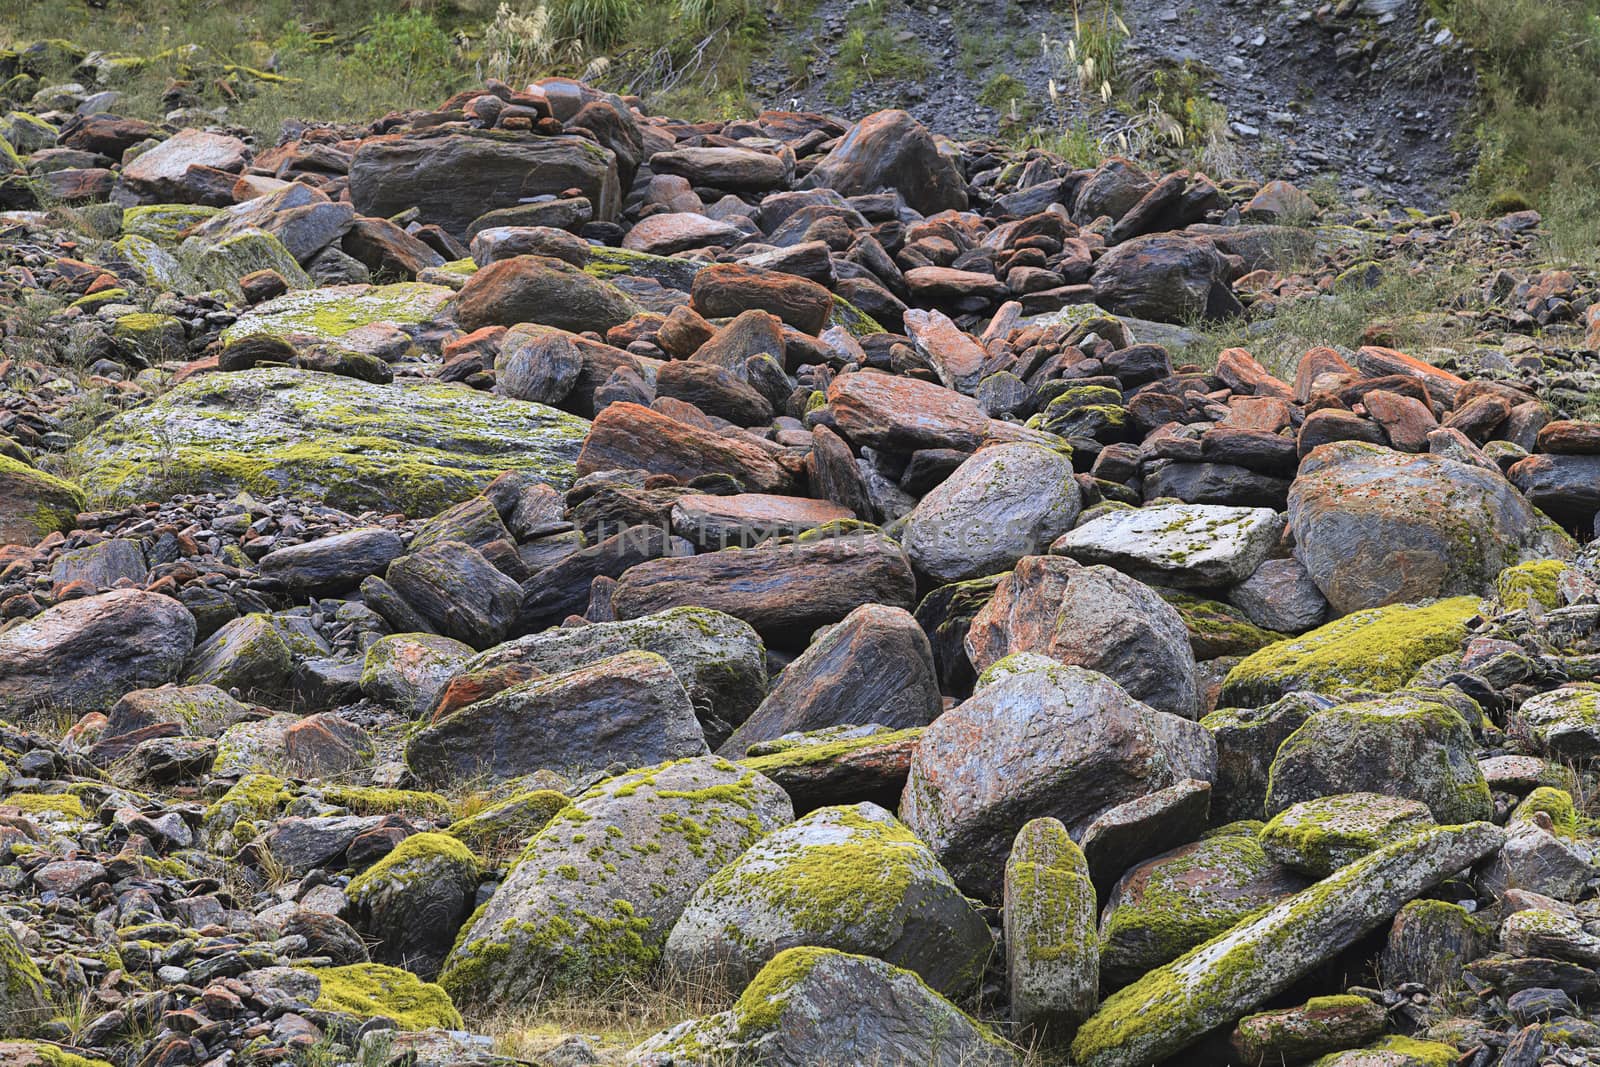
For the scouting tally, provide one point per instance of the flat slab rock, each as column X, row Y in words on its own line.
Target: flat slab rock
column 1193, row 546
column 355, row 316
column 414, row 448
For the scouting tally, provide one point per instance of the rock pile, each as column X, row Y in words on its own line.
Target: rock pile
column 532, row 550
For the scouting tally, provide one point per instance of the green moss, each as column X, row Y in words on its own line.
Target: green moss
column 1530, row 583
column 25, row 988
column 52, row 1056
column 1555, row 803
column 761, row 1004
column 420, row 855
column 255, row 797
column 60, row 804
column 364, row 800
column 336, row 311
column 1417, row 1053
column 368, row 989
column 1379, row 650
column 1217, row 629
column 55, row 502
column 164, row 223
column 812, row 755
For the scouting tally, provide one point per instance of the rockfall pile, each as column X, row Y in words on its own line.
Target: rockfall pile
column 533, row 553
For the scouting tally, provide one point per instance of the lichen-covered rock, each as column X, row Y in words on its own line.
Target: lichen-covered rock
column 333, row 564
column 1045, row 740
column 1091, row 617
column 221, row 263
column 813, row 1006
column 500, row 830
column 254, row 747
column 84, row 654
column 1194, row 546
column 1399, row 746
column 1052, row 947
column 1564, row 723
column 1317, row 837
column 850, row 878
column 1378, row 650
column 353, row 316
column 1544, row 852
column 1172, row 1006
column 248, row 654
column 1431, row 940
column 34, row 504
column 1377, row 527
column 368, row 990
column 718, row 659
column 1006, row 502
column 1167, row 905
column 840, row 765
column 459, row 592
column 595, row 894
column 1320, row 1025
column 402, row 447
column 628, row 709
column 415, row 899
column 407, row 672
column 874, row 666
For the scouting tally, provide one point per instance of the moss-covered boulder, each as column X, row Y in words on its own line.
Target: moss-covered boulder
column 415, row 899
column 851, row 878
column 366, row 990
column 415, row 448
column 1167, row 905
column 1378, row 650
column 1317, row 837
column 1564, row 723
column 24, row 1000
column 814, row 1006
column 346, row 314
column 1395, row 1051
column 220, row 264
column 1052, row 947
column 1321, row 1024
column 254, row 798
column 34, row 504
column 1399, row 746
column 1217, row 629
column 1229, row 975
column 164, row 223
column 595, row 894
column 43, row 1054
column 1533, row 585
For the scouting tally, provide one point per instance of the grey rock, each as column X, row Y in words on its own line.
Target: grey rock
column 1191, row 546
column 1052, row 947
column 1006, row 502
column 333, row 564
column 629, row 709
column 460, row 593
column 1280, row 595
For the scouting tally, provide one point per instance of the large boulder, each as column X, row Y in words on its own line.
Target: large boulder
column 455, row 176
column 874, row 666
column 415, row 899
column 891, row 150
column 82, row 655
column 1377, row 527
column 904, row 414
column 1166, row 277
column 543, row 291
column 1092, row 617
column 813, row 1006
column 718, row 659
column 1192, row 546
column 159, row 175
column 1006, row 502
column 1399, row 746
column 457, row 591
column 34, row 504
column 628, row 709
column 628, row 436
column 1045, row 740
column 415, row 447
column 783, row 589
column 1378, row 650
column 595, row 894
column 1224, row 978
column 851, row 878
column 1564, row 723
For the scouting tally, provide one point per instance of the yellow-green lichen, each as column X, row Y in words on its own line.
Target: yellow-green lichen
column 370, row 989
